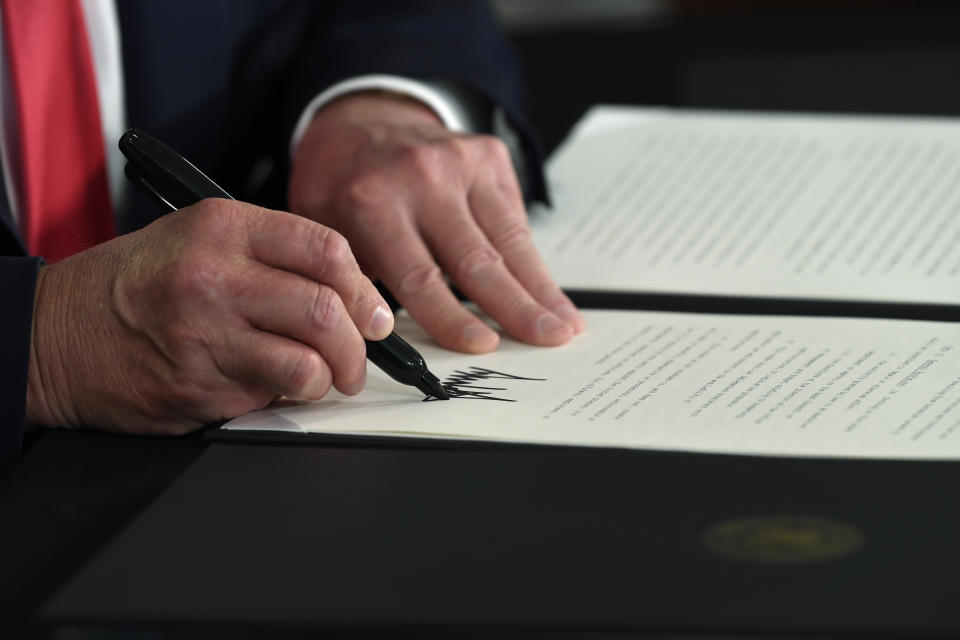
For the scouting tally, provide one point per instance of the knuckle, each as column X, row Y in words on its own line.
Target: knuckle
column 460, row 148
column 475, row 259
column 185, row 343
column 327, row 248
column 546, row 289
column 193, row 275
column 325, row 308
column 370, row 191
column 518, row 304
column 515, row 233
column 216, row 213
column 497, row 158
column 419, row 277
column 304, row 369
column 335, row 248
column 494, row 148
column 427, row 163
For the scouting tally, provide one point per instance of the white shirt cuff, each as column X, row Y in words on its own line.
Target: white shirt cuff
column 435, row 96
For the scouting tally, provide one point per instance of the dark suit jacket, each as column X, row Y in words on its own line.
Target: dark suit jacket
column 223, row 82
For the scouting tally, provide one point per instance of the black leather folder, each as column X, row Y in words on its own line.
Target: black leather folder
column 282, row 541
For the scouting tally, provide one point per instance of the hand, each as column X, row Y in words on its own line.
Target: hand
column 410, row 195
column 205, row 314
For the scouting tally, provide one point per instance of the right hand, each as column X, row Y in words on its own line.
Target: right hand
column 206, row 314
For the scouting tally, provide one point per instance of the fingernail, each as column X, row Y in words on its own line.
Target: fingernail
column 549, row 323
column 570, row 315
column 478, row 334
column 382, row 321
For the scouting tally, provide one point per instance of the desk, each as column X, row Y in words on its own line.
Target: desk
column 259, row 541
column 68, row 494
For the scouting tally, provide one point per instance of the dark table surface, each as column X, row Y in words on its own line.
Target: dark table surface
column 572, row 542
column 67, row 496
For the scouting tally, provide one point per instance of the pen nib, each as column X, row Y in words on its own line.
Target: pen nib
column 431, row 386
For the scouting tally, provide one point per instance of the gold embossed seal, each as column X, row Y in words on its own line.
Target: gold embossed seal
column 782, row 539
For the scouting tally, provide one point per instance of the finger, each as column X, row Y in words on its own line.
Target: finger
column 285, row 241
column 498, row 209
column 290, row 305
column 407, row 267
column 479, row 271
column 281, row 365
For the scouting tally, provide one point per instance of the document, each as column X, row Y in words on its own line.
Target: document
column 756, row 204
column 789, row 386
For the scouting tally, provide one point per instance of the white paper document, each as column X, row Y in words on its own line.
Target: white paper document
column 756, row 204
column 695, row 382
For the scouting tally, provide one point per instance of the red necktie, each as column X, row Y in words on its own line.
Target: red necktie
column 64, row 197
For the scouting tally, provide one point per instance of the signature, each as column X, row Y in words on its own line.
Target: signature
column 459, row 384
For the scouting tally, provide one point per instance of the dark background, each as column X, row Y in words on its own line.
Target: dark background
column 839, row 56
column 71, row 491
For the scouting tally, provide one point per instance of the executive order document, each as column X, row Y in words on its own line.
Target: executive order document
column 844, row 387
column 756, row 204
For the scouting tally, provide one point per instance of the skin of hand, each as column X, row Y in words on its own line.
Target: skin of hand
column 207, row 313
column 417, row 200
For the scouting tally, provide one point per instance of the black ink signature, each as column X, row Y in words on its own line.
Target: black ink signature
column 458, row 384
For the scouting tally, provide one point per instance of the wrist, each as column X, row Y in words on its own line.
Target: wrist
column 376, row 106
column 46, row 372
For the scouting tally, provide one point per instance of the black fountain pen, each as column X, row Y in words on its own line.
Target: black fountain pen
column 176, row 183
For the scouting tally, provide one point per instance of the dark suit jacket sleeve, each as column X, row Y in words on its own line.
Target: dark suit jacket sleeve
column 18, row 277
column 453, row 40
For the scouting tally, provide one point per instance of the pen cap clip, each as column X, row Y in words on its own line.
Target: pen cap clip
column 164, row 173
column 134, row 176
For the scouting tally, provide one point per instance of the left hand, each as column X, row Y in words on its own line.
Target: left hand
column 412, row 197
